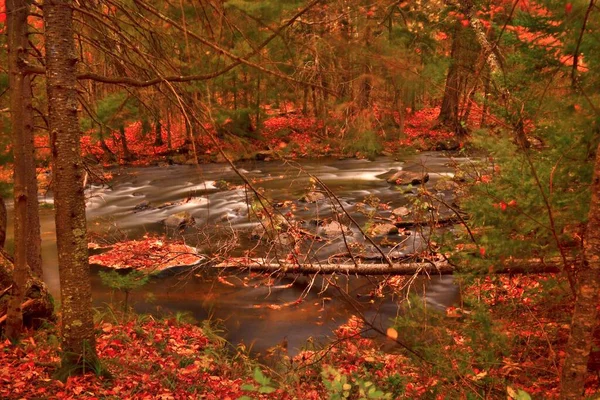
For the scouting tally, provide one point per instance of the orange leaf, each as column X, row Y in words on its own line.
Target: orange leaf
column 392, row 333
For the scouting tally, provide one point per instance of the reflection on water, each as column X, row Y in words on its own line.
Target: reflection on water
column 139, row 199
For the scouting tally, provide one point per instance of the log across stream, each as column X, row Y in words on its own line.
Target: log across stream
column 258, row 312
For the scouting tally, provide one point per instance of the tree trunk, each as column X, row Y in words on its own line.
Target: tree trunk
column 158, row 140
column 585, row 315
column 449, row 109
column 78, row 339
column 169, row 137
column 127, row 156
column 3, row 222
column 27, row 228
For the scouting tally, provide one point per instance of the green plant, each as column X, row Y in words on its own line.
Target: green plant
column 124, row 282
column 366, row 143
column 184, row 317
column 264, row 385
column 338, row 387
column 336, row 384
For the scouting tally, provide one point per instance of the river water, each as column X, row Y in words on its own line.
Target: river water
column 253, row 312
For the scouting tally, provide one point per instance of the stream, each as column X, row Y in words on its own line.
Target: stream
column 139, row 199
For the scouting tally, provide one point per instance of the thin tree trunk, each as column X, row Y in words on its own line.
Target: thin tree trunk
column 27, row 232
column 3, row 222
column 127, row 156
column 486, row 95
column 169, row 137
column 78, row 339
column 574, row 76
column 305, row 101
column 158, row 140
column 588, row 294
column 108, row 154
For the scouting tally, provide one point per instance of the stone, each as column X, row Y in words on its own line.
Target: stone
column 144, row 205
column 269, row 227
column 401, row 212
column 179, row 220
column 264, row 155
column 179, row 159
column 313, row 197
column 383, row 229
column 334, row 229
column 408, row 177
column 446, row 185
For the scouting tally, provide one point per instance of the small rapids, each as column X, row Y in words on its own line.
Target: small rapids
column 253, row 311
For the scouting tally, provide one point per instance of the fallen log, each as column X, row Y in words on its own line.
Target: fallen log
column 535, row 266
column 450, row 220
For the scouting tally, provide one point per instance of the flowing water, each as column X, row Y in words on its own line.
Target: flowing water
column 139, row 199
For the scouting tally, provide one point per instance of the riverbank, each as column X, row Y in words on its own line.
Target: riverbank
column 289, row 135
column 481, row 349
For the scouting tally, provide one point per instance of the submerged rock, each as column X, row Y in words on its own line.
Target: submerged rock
column 179, row 220
column 383, row 229
column 144, row 205
column 408, row 177
column 269, row 227
column 313, row 197
column 400, row 212
column 334, row 229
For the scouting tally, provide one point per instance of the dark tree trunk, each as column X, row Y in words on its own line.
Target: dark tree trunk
column 78, row 339
column 169, row 136
column 108, row 154
column 3, row 222
column 464, row 53
column 305, row 101
column 588, row 294
column 449, row 109
column 27, row 228
column 158, row 140
column 127, row 156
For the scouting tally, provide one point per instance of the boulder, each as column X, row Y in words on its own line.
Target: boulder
column 408, row 177
column 400, row 212
column 383, row 229
column 264, row 155
column 269, row 227
column 313, row 197
column 447, row 185
column 179, row 220
column 334, row 229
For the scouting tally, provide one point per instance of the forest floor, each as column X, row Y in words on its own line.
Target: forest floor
column 451, row 355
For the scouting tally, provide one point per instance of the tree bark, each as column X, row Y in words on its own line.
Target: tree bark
column 449, row 110
column 3, row 222
column 158, row 140
column 78, row 339
column 585, row 315
column 27, row 228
